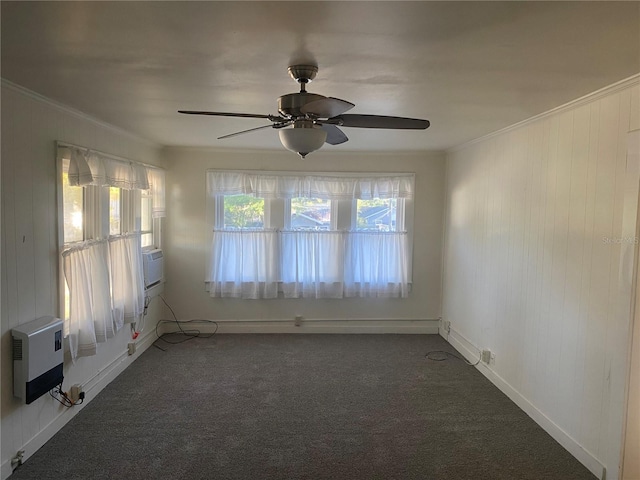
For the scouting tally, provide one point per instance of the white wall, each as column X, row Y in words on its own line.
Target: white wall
column 537, row 266
column 30, row 127
column 631, row 470
column 186, row 245
column 631, row 463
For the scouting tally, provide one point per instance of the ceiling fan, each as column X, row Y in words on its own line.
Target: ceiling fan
column 314, row 119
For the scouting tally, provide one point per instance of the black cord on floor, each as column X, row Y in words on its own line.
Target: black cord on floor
column 188, row 333
column 446, row 355
column 63, row 398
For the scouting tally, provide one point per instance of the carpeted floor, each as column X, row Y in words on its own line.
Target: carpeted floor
column 302, row 407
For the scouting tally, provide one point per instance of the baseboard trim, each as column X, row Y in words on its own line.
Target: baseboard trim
column 316, row 326
column 92, row 387
column 472, row 352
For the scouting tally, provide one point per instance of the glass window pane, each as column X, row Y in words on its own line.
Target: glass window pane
column 243, row 211
column 310, row 214
column 146, row 240
column 145, row 214
column 114, row 211
column 376, row 215
column 73, row 204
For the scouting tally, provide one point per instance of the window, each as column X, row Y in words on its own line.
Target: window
column 309, row 235
column 114, row 211
column 377, row 214
column 152, row 210
column 310, row 214
column 146, row 220
column 243, row 212
column 73, row 199
column 101, row 235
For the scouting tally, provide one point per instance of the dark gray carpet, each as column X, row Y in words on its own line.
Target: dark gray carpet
column 302, row 407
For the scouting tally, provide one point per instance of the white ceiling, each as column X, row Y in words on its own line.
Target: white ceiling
column 471, row 68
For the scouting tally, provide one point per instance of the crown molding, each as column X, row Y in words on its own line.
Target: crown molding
column 76, row 113
column 629, row 82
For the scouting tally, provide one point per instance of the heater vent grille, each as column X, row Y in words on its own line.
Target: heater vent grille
column 17, row 349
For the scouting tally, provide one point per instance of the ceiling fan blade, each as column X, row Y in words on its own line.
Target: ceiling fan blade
column 379, row 121
column 273, row 118
column 335, row 136
column 247, row 131
column 327, row 107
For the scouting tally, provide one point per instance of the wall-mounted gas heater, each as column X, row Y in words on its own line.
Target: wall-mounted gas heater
column 38, row 357
column 152, row 262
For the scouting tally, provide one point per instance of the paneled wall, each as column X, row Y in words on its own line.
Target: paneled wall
column 631, row 463
column 30, row 127
column 537, row 266
column 187, row 241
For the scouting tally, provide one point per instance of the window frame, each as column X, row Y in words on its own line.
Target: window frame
column 343, row 212
column 155, row 223
column 96, row 210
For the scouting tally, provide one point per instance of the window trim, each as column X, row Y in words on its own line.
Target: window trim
column 96, row 211
column 343, row 211
column 98, row 225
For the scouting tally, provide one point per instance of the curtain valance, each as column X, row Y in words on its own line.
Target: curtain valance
column 88, row 167
column 288, row 185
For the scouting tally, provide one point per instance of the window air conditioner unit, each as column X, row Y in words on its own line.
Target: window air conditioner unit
column 37, row 357
column 152, row 263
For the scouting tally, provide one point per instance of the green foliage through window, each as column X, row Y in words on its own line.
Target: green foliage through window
column 243, row 211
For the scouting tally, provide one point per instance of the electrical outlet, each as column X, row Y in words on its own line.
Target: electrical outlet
column 492, row 359
column 298, row 320
column 131, row 348
column 75, row 391
column 486, row 356
column 446, row 326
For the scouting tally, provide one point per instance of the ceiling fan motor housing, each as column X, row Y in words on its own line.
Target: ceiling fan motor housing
column 303, row 73
column 290, row 105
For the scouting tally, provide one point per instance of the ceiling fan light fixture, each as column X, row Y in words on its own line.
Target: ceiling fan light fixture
column 302, row 140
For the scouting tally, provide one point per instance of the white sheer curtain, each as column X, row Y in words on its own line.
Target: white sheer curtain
column 312, row 264
column 381, row 274
column 127, row 283
column 90, row 319
column 309, row 264
column 105, row 276
column 244, row 264
column 157, row 185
